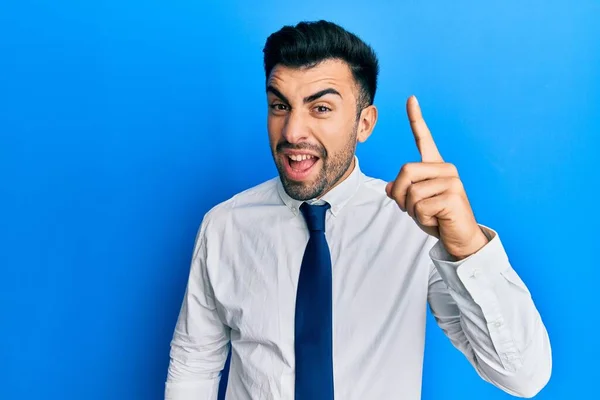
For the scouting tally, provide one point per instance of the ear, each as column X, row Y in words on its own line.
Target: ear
column 366, row 123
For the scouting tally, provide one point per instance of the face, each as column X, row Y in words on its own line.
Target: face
column 313, row 126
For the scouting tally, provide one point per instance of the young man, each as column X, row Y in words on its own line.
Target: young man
column 319, row 279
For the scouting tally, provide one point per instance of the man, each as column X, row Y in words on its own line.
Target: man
column 318, row 280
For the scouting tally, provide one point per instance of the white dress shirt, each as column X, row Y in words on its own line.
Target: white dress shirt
column 242, row 289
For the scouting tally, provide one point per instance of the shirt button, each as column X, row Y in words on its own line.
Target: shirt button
column 498, row 324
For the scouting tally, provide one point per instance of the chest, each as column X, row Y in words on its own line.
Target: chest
column 376, row 274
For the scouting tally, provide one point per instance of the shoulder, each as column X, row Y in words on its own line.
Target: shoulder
column 375, row 186
column 374, row 196
column 373, row 191
column 260, row 195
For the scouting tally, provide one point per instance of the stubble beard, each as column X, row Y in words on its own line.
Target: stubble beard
column 334, row 166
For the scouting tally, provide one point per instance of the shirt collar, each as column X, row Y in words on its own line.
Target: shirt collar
column 337, row 197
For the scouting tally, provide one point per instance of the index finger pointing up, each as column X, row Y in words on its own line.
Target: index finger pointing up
column 425, row 143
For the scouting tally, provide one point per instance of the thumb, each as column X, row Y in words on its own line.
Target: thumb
column 388, row 189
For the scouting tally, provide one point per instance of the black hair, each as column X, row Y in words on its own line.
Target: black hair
column 310, row 43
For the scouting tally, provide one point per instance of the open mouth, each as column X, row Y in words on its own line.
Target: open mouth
column 299, row 166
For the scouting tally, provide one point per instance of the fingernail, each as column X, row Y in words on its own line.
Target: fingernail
column 416, row 100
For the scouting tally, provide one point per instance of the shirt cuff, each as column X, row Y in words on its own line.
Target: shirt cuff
column 491, row 260
column 438, row 251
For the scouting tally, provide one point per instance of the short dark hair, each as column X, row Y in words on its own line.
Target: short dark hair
column 309, row 43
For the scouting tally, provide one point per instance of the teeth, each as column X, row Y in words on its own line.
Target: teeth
column 300, row 157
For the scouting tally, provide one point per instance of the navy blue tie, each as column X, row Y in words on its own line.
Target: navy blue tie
column 313, row 322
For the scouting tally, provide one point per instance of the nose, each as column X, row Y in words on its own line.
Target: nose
column 295, row 129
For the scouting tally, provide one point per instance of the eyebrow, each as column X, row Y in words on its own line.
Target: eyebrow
column 307, row 99
column 321, row 93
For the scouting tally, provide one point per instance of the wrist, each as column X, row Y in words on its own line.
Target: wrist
column 478, row 241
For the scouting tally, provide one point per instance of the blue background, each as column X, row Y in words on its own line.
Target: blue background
column 123, row 122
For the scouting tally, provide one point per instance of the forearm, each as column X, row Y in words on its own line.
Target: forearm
column 194, row 373
column 489, row 315
column 202, row 388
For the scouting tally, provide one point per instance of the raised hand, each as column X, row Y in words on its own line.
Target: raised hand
column 432, row 193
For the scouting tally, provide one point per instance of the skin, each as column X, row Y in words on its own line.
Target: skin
column 325, row 126
column 313, row 111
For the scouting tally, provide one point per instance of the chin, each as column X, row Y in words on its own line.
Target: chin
column 304, row 190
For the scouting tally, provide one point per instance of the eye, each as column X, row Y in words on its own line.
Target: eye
column 278, row 107
column 322, row 109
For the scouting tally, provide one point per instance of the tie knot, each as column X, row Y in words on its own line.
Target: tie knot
column 314, row 216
